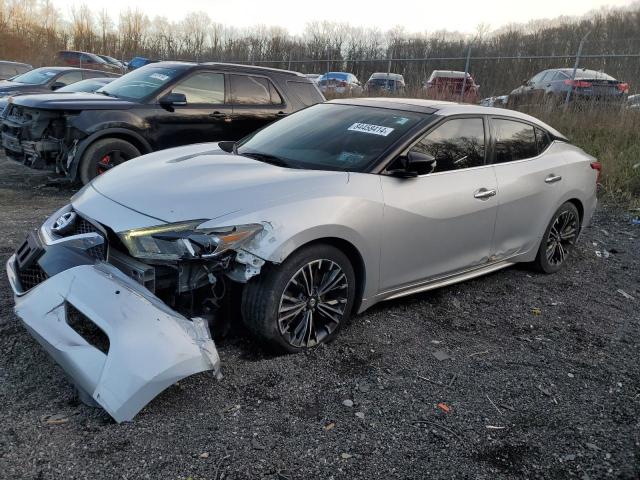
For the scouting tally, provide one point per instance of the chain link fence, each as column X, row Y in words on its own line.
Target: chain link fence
column 496, row 75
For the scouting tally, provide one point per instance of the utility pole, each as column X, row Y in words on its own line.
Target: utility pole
column 389, row 70
column 466, row 72
column 575, row 67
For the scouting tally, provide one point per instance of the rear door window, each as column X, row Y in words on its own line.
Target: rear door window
column 454, row 145
column 306, row 93
column 513, row 140
column 69, row 78
column 543, row 140
column 7, row 71
column 202, row 88
column 250, row 90
column 93, row 74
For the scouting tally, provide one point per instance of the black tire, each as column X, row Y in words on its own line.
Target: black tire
column 114, row 150
column 558, row 239
column 262, row 299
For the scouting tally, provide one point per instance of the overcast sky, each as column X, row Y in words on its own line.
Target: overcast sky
column 414, row 15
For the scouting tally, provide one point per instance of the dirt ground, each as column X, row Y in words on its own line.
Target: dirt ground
column 540, row 377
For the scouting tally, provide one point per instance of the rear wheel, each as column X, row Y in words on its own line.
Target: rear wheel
column 103, row 155
column 558, row 239
column 302, row 302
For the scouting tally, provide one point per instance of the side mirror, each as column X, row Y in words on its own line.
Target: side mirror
column 57, row 85
column 412, row 165
column 173, row 100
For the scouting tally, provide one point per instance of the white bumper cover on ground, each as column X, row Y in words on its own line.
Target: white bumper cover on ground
column 150, row 346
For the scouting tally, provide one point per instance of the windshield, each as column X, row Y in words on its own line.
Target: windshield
column 39, row 76
column 84, row 86
column 141, row 83
column 335, row 76
column 330, row 137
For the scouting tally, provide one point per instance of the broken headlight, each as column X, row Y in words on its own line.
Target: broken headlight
column 185, row 240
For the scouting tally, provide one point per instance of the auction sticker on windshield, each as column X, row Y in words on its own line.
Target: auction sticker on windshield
column 372, row 129
column 159, row 76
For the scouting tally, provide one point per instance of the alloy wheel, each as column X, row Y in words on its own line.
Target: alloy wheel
column 563, row 233
column 313, row 303
column 110, row 160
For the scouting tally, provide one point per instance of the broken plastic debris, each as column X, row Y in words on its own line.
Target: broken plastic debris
column 441, row 355
column 444, row 407
column 55, row 419
column 602, row 254
column 625, row 294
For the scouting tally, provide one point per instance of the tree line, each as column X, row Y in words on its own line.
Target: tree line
column 34, row 30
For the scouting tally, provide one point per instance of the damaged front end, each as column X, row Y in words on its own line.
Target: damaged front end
column 126, row 314
column 35, row 137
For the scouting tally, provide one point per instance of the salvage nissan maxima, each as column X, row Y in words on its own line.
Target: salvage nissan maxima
column 311, row 219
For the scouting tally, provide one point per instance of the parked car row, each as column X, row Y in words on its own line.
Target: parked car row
column 158, row 106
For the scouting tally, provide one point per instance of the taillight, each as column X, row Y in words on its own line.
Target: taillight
column 577, row 83
column 623, row 87
column 597, row 166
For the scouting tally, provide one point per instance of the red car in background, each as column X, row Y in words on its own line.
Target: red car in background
column 449, row 84
column 72, row 58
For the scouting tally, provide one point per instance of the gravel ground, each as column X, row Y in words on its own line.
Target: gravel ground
column 541, row 380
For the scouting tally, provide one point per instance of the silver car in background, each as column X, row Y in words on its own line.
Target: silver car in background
column 312, row 219
column 340, row 83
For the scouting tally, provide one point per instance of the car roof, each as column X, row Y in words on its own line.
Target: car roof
column 450, row 73
column 224, row 66
column 443, row 108
column 385, row 75
column 9, row 62
column 258, row 69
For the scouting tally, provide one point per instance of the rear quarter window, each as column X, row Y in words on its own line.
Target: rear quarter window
column 513, row 141
column 543, row 140
column 306, row 92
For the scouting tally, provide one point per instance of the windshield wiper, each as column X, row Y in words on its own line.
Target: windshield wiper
column 267, row 158
column 105, row 93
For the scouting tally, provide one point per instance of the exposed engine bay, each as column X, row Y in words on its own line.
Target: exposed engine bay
column 36, row 137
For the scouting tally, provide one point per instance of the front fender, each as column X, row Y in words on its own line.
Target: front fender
column 354, row 216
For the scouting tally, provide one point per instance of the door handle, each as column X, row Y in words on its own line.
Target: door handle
column 281, row 114
column 484, row 194
column 552, row 178
column 222, row 115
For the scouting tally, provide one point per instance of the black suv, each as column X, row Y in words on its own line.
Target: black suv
column 158, row 106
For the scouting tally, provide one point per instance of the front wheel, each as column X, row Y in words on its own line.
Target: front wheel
column 302, row 302
column 103, row 155
column 558, row 239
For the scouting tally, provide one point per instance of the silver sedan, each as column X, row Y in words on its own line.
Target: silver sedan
column 306, row 222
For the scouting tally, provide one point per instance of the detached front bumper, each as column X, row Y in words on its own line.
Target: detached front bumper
column 149, row 346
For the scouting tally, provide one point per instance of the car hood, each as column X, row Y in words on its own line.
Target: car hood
column 73, row 101
column 204, row 182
